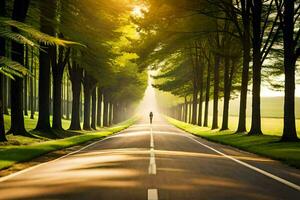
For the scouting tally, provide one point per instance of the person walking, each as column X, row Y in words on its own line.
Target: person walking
column 151, row 117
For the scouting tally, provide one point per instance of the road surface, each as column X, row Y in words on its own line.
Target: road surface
column 157, row 162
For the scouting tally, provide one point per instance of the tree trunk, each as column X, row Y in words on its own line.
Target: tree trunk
column 62, row 98
column 35, row 88
column 94, row 108
column 194, row 105
column 81, row 107
column 17, row 117
column 245, row 72
column 5, row 95
column 26, row 82
column 216, row 92
column 57, row 100
column 105, row 112
column 200, row 97
column 179, row 108
column 185, row 110
column 68, row 101
column 191, row 111
column 207, row 94
column 99, row 108
column 8, row 93
column 111, row 116
column 58, row 66
column 3, row 88
column 44, row 69
column 226, row 95
column 2, row 80
column 116, row 109
column 75, row 76
column 87, row 109
column 32, row 109
column 257, row 64
column 289, row 130
column 2, row 128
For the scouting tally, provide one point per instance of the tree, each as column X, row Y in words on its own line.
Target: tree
column 289, row 18
column 58, row 67
column 2, row 54
column 88, row 86
column 17, row 118
column 94, row 107
column 76, row 75
column 261, row 49
column 48, row 10
column 99, row 107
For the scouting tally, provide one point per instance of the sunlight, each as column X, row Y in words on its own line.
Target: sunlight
column 137, row 11
column 148, row 103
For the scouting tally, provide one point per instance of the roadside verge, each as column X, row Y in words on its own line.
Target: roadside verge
column 268, row 146
column 17, row 154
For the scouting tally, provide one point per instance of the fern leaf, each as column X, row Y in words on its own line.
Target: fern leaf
column 36, row 34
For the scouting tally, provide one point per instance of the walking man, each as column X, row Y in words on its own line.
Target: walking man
column 151, row 117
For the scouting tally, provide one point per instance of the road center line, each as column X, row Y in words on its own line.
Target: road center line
column 152, row 164
column 151, row 139
column 152, row 194
column 272, row 176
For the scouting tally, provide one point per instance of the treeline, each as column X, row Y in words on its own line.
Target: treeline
column 208, row 50
column 66, row 59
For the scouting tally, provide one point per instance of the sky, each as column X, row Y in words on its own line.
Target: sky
column 266, row 92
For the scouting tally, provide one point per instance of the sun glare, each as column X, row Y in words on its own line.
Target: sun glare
column 137, row 11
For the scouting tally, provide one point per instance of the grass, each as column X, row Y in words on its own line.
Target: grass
column 270, row 126
column 31, row 123
column 266, row 145
column 11, row 154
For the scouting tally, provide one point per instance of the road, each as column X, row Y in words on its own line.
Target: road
column 157, row 162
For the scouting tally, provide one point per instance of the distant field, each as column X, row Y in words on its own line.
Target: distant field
column 270, row 126
column 271, row 111
column 270, row 107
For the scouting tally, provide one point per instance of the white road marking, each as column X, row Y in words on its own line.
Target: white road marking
column 152, row 164
column 151, row 140
column 152, row 194
column 272, row 176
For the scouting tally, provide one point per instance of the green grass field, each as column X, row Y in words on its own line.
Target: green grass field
column 270, row 126
column 266, row 145
column 21, row 149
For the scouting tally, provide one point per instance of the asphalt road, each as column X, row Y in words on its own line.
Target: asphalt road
column 155, row 162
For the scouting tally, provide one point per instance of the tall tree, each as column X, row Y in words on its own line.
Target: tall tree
column 291, row 41
column 105, row 110
column 31, row 83
column 76, row 75
column 47, row 10
column 58, row 66
column 94, row 108
column 20, row 9
column 267, row 28
column 2, row 53
column 88, row 86
column 246, row 43
column 25, row 97
column 99, row 107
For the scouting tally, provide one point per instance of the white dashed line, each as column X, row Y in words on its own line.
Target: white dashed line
column 152, row 194
column 152, row 164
